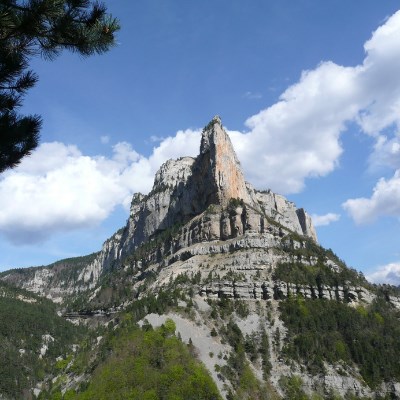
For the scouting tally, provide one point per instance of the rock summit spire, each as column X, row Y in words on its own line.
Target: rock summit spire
column 222, row 174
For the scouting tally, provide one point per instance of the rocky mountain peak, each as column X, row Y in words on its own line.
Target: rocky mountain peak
column 212, row 128
column 219, row 168
column 173, row 172
column 185, row 188
column 204, row 203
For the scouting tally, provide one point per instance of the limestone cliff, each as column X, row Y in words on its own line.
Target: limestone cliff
column 218, row 171
column 186, row 187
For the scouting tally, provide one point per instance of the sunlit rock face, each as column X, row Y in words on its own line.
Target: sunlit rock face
column 220, row 175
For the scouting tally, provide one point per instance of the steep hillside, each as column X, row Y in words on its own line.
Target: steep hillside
column 32, row 336
column 269, row 312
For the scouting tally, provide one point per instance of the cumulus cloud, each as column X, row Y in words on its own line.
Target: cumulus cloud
column 385, row 201
column 380, row 81
column 326, row 219
column 389, row 273
column 184, row 143
column 299, row 136
column 59, row 189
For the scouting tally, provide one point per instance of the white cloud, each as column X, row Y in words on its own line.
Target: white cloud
column 299, row 136
column 58, row 188
column 389, row 273
column 155, row 139
column 322, row 220
column 386, row 153
column 385, row 201
column 380, row 81
column 184, row 143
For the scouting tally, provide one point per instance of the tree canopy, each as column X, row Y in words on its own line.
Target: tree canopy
column 41, row 28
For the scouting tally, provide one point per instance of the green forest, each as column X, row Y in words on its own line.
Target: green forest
column 146, row 363
column 22, row 326
column 321, row 330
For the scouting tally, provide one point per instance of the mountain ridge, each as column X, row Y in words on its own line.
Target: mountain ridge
column 241, row 270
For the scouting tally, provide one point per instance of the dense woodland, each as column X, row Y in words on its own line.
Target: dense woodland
column 22, row 326
column 150, row 364
column 328, row 331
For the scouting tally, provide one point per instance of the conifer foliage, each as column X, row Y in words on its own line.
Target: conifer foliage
column 41, row 28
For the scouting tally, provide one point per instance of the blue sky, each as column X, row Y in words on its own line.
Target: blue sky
column 308, row 90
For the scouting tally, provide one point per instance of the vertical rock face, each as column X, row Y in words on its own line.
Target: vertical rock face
column 219, row 167
column 306, row 224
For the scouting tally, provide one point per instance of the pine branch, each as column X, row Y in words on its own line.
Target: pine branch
column 20, row 135
column 44, row 27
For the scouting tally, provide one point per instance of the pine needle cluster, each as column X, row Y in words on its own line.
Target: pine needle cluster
column 41, row 28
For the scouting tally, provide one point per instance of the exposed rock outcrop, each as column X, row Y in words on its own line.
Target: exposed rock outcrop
column 217, row 173
column 277, row 290
column 306, row 224
column 186, row 187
